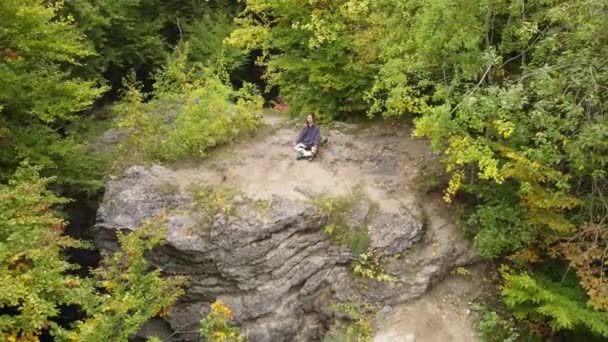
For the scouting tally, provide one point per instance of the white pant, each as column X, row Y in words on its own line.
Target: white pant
column 301, row 149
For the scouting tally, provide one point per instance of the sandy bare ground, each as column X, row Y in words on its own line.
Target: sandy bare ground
column 369, row 157
column 384, row 160
column 442, row 314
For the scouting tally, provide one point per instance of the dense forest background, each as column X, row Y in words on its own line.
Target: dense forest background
column 513, row 94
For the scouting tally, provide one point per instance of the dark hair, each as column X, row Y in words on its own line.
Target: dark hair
column 314, row 119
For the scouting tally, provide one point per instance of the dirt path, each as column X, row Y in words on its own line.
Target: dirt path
column 384, row 160
column 442, row 314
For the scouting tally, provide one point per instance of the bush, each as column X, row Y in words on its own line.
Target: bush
column 354, row 326
column 492, row 327
column 40, row 51
column 191, row 111
column 217, row 327
column 501, row 229
column 562, row 304
column 214, row 200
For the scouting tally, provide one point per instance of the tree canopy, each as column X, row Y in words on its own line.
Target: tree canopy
column 511, row 93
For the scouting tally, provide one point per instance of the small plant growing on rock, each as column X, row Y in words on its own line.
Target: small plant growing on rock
column 461, row 271
column 262, row 204
column 216, row 326
column 370, row 266
column 214, row 200
column 343, row 230
column 337, row 211
column 357, row 328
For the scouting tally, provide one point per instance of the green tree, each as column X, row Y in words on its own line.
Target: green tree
column 139, row 34
column 126, row 34
column 206, row 37
column 311, row 52
column 38, row 281
column 39, row 50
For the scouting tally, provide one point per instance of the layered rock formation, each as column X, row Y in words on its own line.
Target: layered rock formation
column 270, row 261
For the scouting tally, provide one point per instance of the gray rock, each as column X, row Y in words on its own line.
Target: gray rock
column 276, row 269
column 392, row 233
column 360, row 214
column 385, row 311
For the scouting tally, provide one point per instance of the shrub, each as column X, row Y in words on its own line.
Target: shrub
column 370, row 265
column 563, row 305
column 356, row 327
column 191, row 111
column 501, row 229
column 216, row 326
column 214, row 200
column 494, row 328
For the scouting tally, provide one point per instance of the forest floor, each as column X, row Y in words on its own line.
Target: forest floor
column 385, row 161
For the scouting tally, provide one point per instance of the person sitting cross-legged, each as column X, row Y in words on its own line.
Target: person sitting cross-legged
column 308, row 140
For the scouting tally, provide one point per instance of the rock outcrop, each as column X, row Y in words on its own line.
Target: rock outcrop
column 270, row 262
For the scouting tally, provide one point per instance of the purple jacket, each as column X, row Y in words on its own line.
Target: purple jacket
column 309, row 136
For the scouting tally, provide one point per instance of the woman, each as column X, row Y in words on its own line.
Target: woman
column 308, row 141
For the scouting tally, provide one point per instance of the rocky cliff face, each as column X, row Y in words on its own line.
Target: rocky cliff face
column 266, row 256
column 271, row 264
